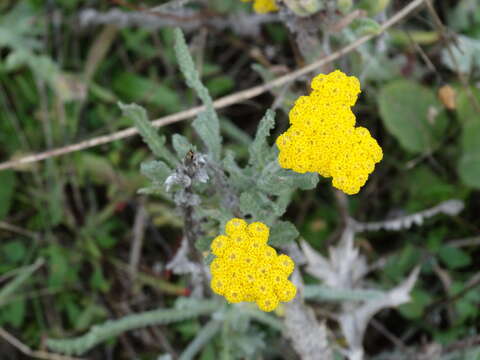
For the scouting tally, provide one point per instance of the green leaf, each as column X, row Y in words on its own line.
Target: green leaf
column 22, row 276
column 207, row 123
column 7, row 187
column 373, row 6
column 149, row 134
column 466, row 55
column 14, row 251
column 14, row 313
column 135, row 88
column 157, row 171
column 454, row 257
column 237, row 175
column 365, row 26
column 469, row 169
column 260, row 151
column 208, row 259
column 234, row 132
column 182, row 145
column 250, row 204
column 425, row 188
column 407, row 110
column 415, row 309
column 209, row 132
column 97, row 279
column 274, row 180
column 220, row 85
column 282, row 233
column 469, row 164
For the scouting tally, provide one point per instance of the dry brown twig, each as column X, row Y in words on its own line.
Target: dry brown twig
column 218, row 104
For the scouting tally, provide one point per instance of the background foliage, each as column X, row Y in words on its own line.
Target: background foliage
column 69, row 225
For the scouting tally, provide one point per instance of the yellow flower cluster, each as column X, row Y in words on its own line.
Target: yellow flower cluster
column 263, row 6
column 247, row 269
column 323, row 138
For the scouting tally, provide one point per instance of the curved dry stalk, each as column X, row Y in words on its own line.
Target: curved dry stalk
column 218, row 104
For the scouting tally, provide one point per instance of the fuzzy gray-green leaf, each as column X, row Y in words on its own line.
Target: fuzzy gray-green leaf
column 157, row 171
column 250, row 204
column 112, row 328
column 182, row 145
column 207, row 123
column 207, row 128
column 237, row 175
column 259, row 150
column 155, row 142
column 282, row 233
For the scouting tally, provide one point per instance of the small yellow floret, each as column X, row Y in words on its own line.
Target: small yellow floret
column 220, row 244
column 219, row 284
column 286, row 291
column 323, row 138
column 269, row 302
column 285, row 264
column 263, row 6
column 247, row 269
column 235, row 226
column 259, row 231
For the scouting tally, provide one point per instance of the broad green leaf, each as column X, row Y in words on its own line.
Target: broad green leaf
column 155, row 142
column 412, row 114
column 469, row 169
column 207, row 123
column 469, row 164
column 260, row 151
column 282, row 233
column 415, row 309
column 466, row 54
column 454, row 257
column 7, row 187
column 426, row 188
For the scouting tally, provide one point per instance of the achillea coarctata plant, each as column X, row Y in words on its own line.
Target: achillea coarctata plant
column 263, row 6
column 323, row 138
column 247, row 269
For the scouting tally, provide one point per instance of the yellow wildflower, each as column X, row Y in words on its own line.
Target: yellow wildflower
column 247, row 269
column 323, row 138
column 263, row 6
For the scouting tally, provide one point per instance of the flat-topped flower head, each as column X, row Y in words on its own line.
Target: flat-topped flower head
column 322, row 137
column 263, row 6
column 247, row 269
